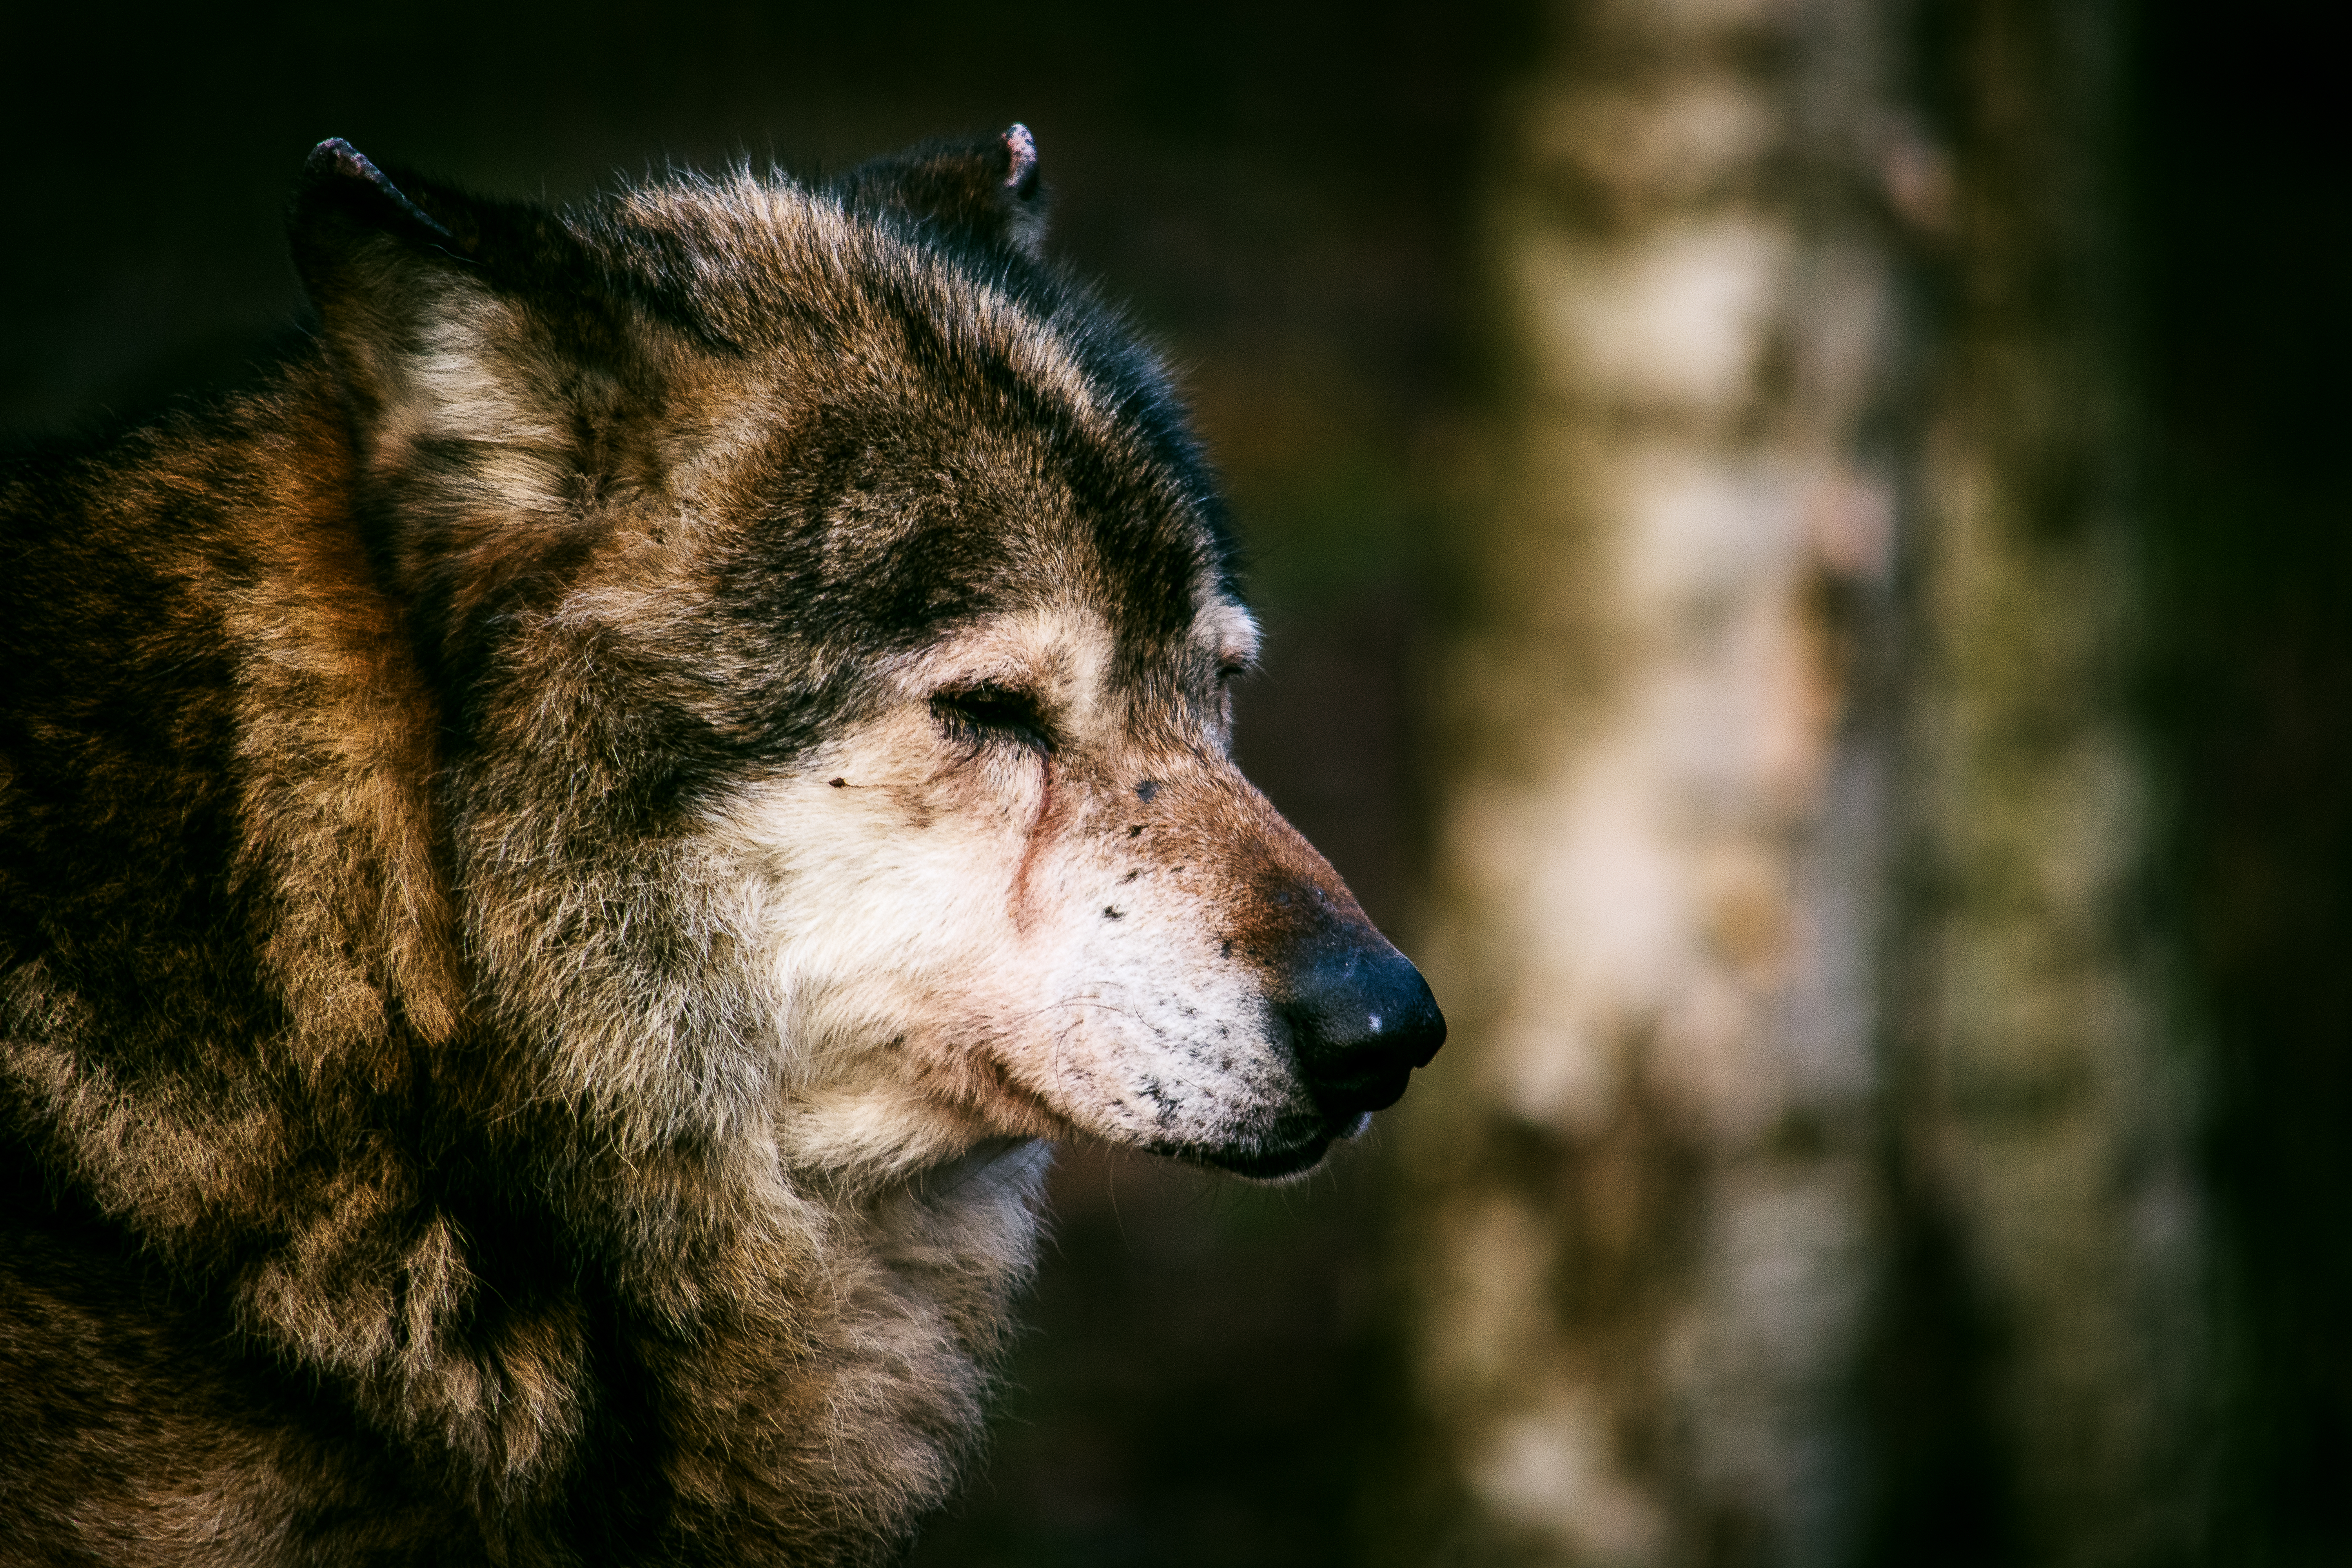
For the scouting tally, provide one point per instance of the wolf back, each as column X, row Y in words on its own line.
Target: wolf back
column 562, row 864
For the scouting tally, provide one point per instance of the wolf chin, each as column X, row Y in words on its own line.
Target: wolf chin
column 562, row 864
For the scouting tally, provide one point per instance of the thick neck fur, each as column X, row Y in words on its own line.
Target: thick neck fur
column 238, row 1020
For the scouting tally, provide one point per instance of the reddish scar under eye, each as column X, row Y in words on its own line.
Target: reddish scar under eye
column 1030, row 845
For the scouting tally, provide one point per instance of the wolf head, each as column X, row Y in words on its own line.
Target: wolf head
column 833, row 620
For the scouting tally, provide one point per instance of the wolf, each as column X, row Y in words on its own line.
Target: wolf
column 564, row 862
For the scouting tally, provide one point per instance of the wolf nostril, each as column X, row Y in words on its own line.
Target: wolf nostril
column 1361, row 1018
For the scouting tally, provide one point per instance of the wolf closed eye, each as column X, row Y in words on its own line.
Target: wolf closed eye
column 567, row 862
column 990, row 712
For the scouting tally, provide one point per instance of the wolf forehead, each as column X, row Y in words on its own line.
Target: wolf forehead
column 879, row 420
column 955, row 432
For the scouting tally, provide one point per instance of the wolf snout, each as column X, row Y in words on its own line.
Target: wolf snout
column 1360, row 1019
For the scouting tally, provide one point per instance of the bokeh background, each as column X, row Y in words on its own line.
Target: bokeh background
column 1805, row 551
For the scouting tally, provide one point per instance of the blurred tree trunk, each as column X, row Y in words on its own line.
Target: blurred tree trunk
column 1643, row 1187
column 2044, row 1098
column 1713, row 1255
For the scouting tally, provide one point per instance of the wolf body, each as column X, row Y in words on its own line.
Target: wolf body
column 561, row 865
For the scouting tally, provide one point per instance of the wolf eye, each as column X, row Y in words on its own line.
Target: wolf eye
column 989, row 713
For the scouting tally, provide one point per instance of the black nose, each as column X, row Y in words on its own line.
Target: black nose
column 1361, row 1018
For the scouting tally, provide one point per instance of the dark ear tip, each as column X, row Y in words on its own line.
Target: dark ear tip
column 337, row 156
column 335, row 160
column 1021, row 159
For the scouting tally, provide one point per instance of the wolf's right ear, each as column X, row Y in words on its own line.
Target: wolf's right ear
column 986, row 190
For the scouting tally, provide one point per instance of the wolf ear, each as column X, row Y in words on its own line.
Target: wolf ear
column 483, row 359
column 986, row 190
column 337, row 178
column 417, row 285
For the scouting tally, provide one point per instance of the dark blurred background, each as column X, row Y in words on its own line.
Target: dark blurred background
column 2245, row 214
column 1299, row 202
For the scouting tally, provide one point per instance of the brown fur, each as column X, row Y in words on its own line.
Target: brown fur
column 558, row 859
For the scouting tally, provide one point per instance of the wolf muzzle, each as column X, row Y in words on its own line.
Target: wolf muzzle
column 1360, row 1019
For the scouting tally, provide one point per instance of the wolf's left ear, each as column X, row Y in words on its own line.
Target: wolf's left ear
column 482, row 359
column 417, row 286
column 339, row 182
column 987, row 190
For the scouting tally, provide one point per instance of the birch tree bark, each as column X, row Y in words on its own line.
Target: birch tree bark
column 1641, row 1194
column 1737, row 761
